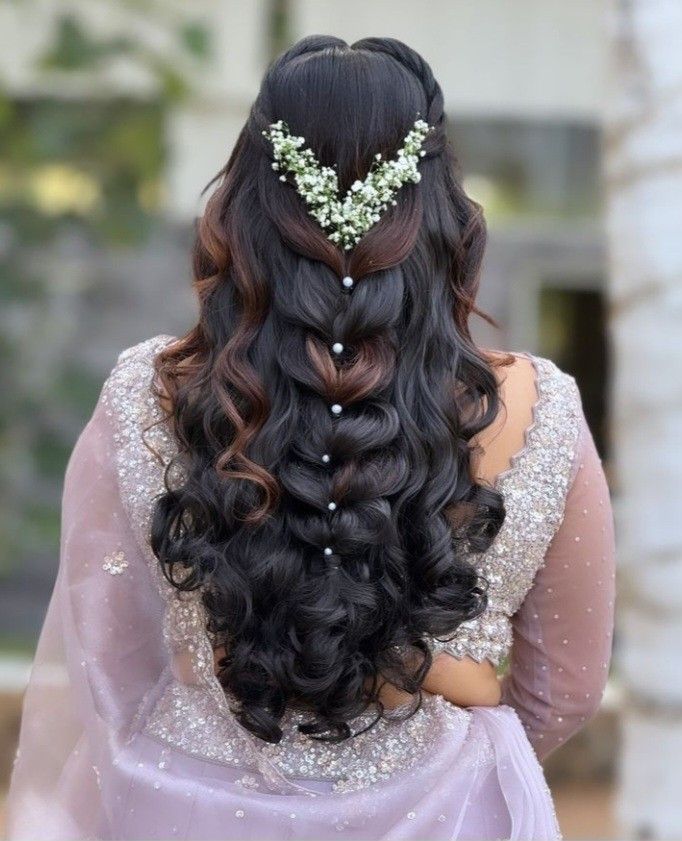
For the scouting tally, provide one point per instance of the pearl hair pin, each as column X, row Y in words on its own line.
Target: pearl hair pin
column 337, row 347
column 348, row 282
column 328, row 551
column 326, row 458
column 336, row 408
column 332, row 506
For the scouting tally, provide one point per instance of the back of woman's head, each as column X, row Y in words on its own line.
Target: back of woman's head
column 322, row 538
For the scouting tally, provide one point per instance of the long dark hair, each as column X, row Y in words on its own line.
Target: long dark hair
column 251, row 387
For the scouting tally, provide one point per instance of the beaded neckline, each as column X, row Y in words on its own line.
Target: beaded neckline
column 516, row 459
column 534, row 488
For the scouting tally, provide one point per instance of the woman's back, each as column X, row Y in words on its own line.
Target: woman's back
column 324, row 497
column 152, row 679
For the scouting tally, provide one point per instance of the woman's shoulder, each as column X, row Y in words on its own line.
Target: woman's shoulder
column 144, row 351
column 540, row 414
column 518, row 361
column 134, row 364
column 126, row 394
column 529, row 378
column 124, row 407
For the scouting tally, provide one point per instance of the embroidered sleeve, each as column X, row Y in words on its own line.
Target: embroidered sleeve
column 563, row 630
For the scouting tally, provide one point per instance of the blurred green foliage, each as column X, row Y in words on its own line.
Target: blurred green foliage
column 87, row 168
column 74, row 49
column 95, row 164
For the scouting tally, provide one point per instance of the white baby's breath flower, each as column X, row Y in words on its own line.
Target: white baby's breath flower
column 347, row 219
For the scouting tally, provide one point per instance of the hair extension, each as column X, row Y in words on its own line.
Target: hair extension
column 272, row 478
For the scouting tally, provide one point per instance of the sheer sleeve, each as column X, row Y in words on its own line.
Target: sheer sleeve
column 562, row 633
column 100, row 651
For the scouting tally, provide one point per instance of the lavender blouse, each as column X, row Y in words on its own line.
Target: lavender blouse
column 127, row 734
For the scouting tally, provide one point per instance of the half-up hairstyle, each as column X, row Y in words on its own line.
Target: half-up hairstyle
column 324, row 544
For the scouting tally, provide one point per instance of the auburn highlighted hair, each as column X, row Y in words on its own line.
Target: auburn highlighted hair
column 324, row 545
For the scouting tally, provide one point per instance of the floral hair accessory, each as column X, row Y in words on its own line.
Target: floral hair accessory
column 346, row 219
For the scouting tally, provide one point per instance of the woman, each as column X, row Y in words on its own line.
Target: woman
column 299, row 541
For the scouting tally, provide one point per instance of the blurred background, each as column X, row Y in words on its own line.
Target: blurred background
column 567, row 117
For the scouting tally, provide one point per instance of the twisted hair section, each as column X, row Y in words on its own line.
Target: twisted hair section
column 325, row 428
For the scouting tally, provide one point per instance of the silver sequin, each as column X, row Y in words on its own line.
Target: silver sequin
column 534, row 489
column 195, row 717
column 115, row 563
column 186, row 718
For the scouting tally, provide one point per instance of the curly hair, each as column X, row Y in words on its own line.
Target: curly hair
column 250, row 389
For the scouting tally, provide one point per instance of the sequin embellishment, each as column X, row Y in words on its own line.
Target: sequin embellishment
column 197, row 718
column 534, row 489
column 115, row 563
column 186, row 718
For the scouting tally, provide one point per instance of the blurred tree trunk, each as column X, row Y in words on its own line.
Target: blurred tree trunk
column 643, row 152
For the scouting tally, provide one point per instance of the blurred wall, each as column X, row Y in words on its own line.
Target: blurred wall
column 158, row 93
column 531, row 59
column 114, row 115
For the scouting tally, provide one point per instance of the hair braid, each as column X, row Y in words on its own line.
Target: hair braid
column 412, row 61
column 325, row 426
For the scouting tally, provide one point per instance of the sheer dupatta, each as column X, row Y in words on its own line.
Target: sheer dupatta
column 100, row 651
column 117, row 636
column 115, row 633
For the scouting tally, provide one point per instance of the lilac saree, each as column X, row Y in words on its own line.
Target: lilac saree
column 127, row 734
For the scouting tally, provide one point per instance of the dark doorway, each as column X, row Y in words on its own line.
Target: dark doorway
column 573, row 334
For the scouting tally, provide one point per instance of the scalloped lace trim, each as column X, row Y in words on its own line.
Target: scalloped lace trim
column 516, row 458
